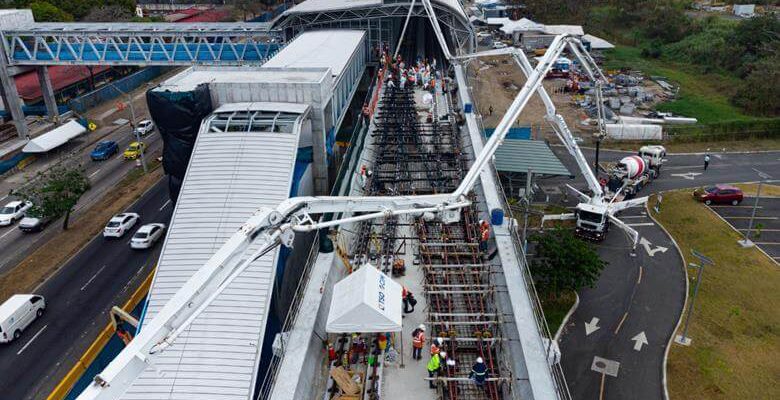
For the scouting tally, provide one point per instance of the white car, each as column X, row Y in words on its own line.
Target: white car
column 13, row 211
column 146, row 236
column 120, row 224
column 144, row 127
column 499, row 45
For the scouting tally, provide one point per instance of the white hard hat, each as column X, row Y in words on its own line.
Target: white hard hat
column 439, row 340
column 443, row 354
column 480, row 360
column 422, row 327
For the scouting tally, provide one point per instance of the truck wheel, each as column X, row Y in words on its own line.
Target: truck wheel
column 39, row 312
column 17, row 334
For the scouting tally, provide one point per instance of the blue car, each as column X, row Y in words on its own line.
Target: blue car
column 104, row 150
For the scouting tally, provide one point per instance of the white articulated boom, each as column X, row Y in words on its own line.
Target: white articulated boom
column 272, row 227
column 594, row 214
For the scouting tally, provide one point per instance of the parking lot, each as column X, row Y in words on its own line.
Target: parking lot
column 766, row 226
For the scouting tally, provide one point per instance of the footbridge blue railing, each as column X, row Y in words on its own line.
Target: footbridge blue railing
column 147, row 44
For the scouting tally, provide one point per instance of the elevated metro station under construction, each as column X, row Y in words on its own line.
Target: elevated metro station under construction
column 244, row 133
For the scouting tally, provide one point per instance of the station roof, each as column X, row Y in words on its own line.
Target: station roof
column 54, row 138
column 311, row 6
column 520, row 155
column 192, row 77
column 319, row 49
column 230, row 175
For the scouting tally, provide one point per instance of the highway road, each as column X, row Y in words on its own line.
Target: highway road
column 79, row 296
column 614, row 344
column 104, row 175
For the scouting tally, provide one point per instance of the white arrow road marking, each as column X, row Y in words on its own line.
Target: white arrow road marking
column 651, row 252
column 639, row 340
column 688, row 175
column 591, row 326
column 718, row 156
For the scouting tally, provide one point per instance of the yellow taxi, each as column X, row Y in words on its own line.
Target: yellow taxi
column 134, row 150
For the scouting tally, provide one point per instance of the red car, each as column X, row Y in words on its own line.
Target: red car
column 723, row 194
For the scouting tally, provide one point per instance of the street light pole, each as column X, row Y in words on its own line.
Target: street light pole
column 684, row 339
column 746, row 242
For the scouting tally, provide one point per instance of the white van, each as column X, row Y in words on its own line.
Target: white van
column 17, row 313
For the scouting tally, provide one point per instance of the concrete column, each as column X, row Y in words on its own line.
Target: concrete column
column 13, row 103
column 48, row 94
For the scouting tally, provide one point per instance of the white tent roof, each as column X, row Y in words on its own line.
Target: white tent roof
column 575, row 30
column 365, row 301
column 598, row 43
column 54, row 138
column 521, row 25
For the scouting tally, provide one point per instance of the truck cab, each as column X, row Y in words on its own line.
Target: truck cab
column 654, row 156
column 592, row 222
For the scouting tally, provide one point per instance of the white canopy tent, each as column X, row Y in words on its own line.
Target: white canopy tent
column 54, row 138
column 365, row 301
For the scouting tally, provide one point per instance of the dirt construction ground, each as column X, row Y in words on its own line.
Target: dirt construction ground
column 497, row 80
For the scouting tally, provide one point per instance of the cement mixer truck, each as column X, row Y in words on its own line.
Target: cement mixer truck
column 633, row 173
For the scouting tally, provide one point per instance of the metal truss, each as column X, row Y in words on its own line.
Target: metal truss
column 460, row 29
column 140, row 43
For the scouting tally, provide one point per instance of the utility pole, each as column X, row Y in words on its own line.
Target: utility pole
column 746, row 242
column 703, row 260
column 135, row 131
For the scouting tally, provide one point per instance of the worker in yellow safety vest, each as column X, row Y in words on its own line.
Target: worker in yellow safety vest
column 433, row 367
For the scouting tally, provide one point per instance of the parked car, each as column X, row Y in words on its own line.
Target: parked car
column 146, row 236
column 144, row 127
column 13, row 211
column 17, row 313
column 34, row 224
column 104, row 150
column 499, row 45
column 134, row 150
column 120, row 224
column 719, row 194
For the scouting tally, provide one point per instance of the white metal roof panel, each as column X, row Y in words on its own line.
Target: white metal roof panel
column 190, row 78
column 230, row 175
column 331, row 5
column 332, row 48
column 54, row 138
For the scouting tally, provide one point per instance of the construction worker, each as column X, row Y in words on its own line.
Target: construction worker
column 436, row 345
column 433, row 368
column 408, row 300
column 706, row 161
column 366, row 113
column 418, row 341
column 479, row 372
column 484, row 235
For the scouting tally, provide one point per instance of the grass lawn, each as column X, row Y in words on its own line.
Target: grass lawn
column 766, row 190
column 736, row 321
column 702, row 96
column 556, row 309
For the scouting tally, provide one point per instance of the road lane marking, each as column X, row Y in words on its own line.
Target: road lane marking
column 762, row 230
column 621, row 322
column 767, row 243
column 94, row 173
column 165, row 205
column 729, row 206
column 4, row 197
column 771, row 218
column 93, row 278
column 632, row 216
column 8, row 233
column 31, row 340
column 639, row 278
column 642, row 224
column 601, row 390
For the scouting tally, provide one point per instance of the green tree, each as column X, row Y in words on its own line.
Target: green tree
column 43, row 11
column 55, row 192
column 758, row 92
column 564, row 262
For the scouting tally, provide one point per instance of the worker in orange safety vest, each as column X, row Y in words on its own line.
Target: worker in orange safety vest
column 418, row 341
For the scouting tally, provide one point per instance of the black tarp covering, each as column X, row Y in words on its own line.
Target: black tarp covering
column 178, row 116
